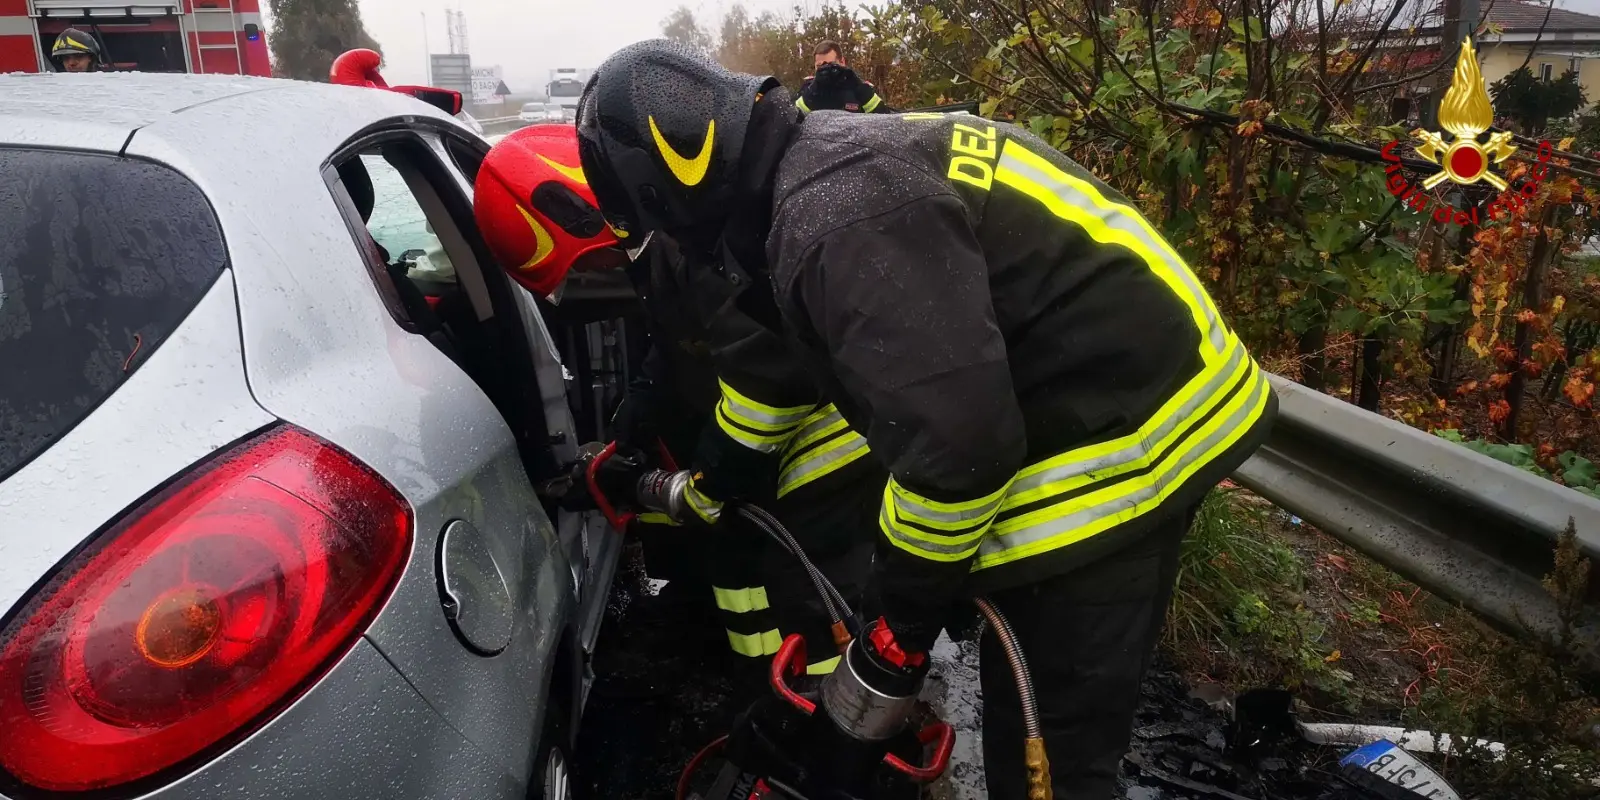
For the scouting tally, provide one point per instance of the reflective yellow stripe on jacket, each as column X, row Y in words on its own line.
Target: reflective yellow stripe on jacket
column 935, row 530
column 1077, row 494
column 758, row 426
column 823, row 445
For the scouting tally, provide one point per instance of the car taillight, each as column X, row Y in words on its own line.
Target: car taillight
column 202, row 612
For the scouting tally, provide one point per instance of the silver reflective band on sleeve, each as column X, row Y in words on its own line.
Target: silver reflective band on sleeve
column 758, row 426
column 809, row 458
column 1108, row 222
column 1107, row 459
column 934, row 530
column 1081, row 516
column 953, row 548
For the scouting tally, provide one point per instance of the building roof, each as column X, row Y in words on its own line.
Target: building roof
column 1522, row 16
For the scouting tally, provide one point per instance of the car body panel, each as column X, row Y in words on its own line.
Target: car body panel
column 33, row 110
column 309, row 341
column 365, row 760
column 186, row 401
column 411, row 414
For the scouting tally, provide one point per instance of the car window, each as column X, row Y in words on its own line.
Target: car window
column 397, row 223
column 466, row 159
column 100, row 259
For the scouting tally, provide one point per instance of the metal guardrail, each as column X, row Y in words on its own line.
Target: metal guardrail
column 500, row 124
column 1458, row 523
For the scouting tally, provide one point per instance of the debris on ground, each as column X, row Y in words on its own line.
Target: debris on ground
column 667, row 684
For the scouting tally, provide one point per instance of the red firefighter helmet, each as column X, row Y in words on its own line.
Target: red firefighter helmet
column 357, row 67
column 537, row 211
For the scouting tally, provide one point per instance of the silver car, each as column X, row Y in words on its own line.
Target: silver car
column 275, row 516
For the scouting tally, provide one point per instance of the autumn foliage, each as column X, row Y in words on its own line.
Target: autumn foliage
column 1257, row 148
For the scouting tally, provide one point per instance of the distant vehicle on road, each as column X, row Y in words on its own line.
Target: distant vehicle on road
column 566, row 86
column 274, row 499
column 535, row 113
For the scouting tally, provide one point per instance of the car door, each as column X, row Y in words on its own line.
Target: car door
column 482, row 652
column 592, row 546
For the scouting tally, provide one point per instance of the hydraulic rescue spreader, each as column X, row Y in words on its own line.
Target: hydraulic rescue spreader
column 851, row 735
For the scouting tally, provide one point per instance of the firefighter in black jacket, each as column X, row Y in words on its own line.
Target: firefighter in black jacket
column 536, row 211
column 834, row 86
column 1049, row 386
column 818, row 481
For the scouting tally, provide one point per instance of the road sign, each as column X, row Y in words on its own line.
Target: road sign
column 453, row 71
column 485, row 80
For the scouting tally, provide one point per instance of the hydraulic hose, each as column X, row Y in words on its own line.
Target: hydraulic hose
column 1038, row 762
column 839, row 611
column 825, row 587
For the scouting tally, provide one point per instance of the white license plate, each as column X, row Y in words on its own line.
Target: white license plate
column 1389, row 762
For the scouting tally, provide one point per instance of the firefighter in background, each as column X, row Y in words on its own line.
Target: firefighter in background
column 833, row 85
column 537, row 213
column 1048, row 385
column 76, row 51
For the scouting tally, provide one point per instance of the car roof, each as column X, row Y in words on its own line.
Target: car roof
column 103, row 111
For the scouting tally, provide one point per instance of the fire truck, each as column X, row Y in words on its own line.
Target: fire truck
column 200, row 36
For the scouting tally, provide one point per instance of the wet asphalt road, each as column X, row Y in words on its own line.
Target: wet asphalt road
column 667, row 685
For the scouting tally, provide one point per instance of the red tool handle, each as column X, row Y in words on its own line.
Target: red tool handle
column 939, row 732
column 591, row 477
column 791, row 659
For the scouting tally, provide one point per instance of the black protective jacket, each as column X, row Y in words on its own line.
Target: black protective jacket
column 839, row 88
column 1042, row 375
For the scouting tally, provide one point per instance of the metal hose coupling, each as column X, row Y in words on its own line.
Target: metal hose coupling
column 666, row 493
column 1034, row 756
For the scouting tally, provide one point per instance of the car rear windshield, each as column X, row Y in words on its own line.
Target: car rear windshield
column 100, row 259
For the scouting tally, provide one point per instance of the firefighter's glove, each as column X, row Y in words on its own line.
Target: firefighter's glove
column 916, row 612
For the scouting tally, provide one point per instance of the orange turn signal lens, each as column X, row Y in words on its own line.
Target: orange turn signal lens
column 179, row 628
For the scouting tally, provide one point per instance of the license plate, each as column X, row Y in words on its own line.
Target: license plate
column 1386, row 761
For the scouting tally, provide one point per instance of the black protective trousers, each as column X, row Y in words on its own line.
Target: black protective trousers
column 1088, row 636
column 826, row 517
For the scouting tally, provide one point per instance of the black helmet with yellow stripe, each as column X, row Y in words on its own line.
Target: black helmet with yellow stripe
column 74, row 42
column 661, row 129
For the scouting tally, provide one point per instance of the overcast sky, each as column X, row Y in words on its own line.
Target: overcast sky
column 529, row 37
